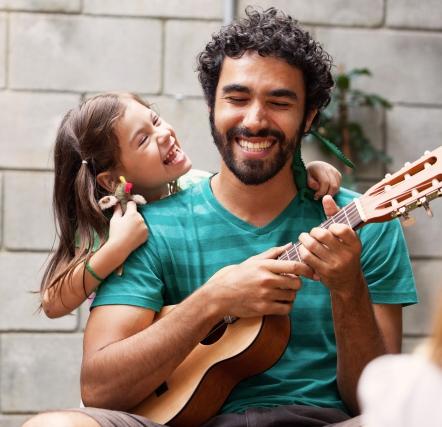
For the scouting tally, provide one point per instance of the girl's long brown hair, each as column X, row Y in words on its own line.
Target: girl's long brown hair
column 85, row 146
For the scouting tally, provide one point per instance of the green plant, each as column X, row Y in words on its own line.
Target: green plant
column 348, row 135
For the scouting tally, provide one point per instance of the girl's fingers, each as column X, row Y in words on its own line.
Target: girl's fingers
column 312, row 183
column 131, row 206
column 117, row 211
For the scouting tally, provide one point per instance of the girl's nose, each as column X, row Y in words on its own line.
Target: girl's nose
column 163, row 136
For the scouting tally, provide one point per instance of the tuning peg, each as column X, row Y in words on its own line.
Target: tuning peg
column 408, row 220
column 426, row 205
column 428, row 210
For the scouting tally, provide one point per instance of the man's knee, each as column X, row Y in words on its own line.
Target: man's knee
column 61, row 419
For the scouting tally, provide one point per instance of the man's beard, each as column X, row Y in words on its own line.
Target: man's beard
column 255, row 171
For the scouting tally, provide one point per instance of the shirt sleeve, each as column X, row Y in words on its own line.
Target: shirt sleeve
column 386, row 264
column 139, row 285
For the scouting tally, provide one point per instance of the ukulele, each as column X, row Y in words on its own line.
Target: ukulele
column 239, row 348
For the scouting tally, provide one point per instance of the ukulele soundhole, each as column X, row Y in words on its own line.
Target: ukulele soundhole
column 215, row 334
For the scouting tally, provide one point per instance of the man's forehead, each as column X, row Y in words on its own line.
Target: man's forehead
column 252, row 70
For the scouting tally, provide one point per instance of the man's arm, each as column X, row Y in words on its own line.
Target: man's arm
column 362, row 331
column 126, row 356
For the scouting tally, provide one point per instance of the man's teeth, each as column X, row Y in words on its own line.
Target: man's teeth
column 255, row 146
column 170, row 157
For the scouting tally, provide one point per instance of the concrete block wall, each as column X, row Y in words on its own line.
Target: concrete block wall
column 53, row 53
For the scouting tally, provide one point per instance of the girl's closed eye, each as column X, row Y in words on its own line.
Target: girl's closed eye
column 143, row 139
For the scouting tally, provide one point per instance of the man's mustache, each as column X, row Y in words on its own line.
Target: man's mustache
column 242, row 131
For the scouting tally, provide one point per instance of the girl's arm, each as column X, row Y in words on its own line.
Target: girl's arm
column 126, row 233
column 324, row 178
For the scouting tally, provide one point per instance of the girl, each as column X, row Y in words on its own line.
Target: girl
column 96, row 144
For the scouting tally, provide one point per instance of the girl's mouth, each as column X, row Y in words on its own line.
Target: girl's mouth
column 174, row 155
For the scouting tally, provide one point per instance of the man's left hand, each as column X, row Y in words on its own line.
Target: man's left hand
column 333, row 253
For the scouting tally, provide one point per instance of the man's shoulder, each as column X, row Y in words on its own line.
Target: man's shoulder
column 345, row 196
column 177, row 205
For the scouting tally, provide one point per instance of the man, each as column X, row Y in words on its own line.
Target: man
column 265, row 80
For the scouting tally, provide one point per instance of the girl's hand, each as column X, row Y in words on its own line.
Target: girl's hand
column 324, row 178
column 128, row 231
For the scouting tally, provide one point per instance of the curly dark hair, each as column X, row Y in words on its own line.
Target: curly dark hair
column 269, row 33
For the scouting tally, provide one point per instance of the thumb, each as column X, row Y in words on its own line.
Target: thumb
column 330, row 206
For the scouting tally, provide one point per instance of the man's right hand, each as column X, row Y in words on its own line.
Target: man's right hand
column 259, row 286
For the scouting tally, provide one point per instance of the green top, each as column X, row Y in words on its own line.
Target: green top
column 191, row 236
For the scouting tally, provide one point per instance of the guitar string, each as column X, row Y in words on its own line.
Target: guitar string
column 340, row 215
column 351, row 216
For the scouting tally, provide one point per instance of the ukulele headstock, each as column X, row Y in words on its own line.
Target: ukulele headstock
column 414, row 185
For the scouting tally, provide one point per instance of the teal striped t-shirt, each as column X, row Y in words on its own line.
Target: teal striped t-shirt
column 191, row 236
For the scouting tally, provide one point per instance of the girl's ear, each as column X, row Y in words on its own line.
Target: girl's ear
column 106, row 181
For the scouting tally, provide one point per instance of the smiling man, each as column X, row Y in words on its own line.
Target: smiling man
column 265, row 80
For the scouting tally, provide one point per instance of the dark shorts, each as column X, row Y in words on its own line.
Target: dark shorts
column 281, row 416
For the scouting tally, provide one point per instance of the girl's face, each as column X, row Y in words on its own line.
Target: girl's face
column 151, row 156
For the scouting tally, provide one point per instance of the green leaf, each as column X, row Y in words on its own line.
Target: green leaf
column 356, row 72
column 342, row 82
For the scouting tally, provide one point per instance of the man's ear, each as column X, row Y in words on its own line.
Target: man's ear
column 106, row 181
column 310, row 117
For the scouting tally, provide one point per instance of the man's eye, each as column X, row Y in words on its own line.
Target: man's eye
column 236, row 100
column 280, row 104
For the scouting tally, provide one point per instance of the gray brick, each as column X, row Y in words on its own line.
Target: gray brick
column 195, row 138
column 84, row 53
column 42, row 5
column 13, row 420
column 21, row 275
column 158, row 8
column 409, row 344
column 411, row 131
column 184, row 40
column 28, row 221
column 418, row 318
column 414, row 14
column 329, row 12
column 28, row 126
column 40, row 371
column 405, row 64
column 2, row 50
column 1, row 210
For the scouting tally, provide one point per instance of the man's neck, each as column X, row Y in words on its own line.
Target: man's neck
column 256, row 204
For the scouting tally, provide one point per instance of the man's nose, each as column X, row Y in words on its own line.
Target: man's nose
column 256, row 117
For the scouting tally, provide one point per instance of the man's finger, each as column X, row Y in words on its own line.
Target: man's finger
column 288, row 267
